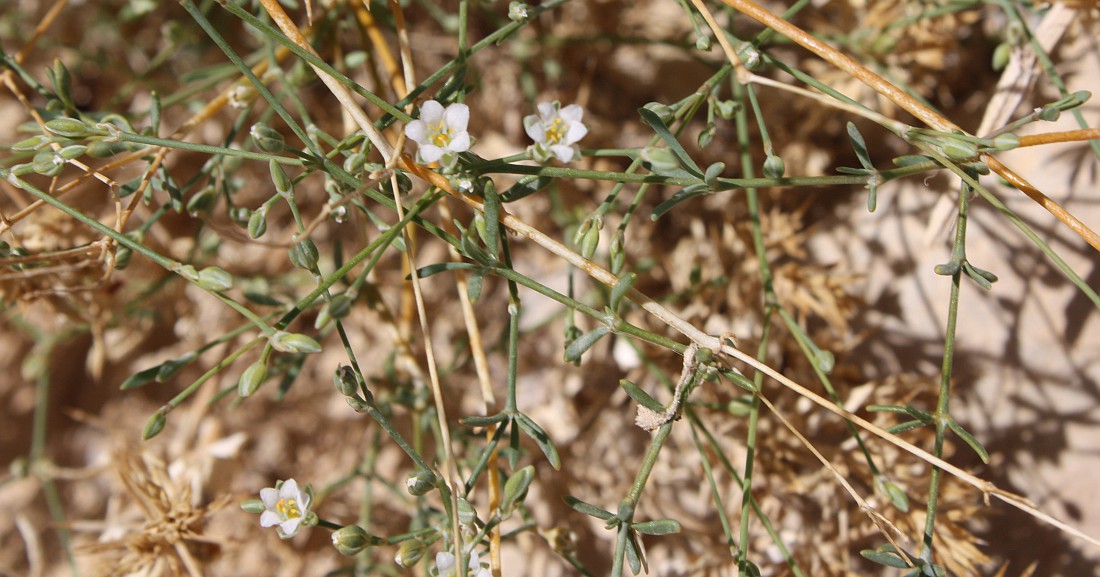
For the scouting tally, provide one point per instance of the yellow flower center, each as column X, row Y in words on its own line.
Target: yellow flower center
column 556, row 131
column 288, row 508
column 441, row 136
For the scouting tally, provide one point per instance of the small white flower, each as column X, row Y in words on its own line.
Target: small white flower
column 440, row 133
column 286, row 508
column 555, row 131
column 445, row 565
column 517, row 11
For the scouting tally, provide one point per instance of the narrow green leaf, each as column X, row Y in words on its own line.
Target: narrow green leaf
column 539, row 436
column 658, row 527
column 140, row 378
column 168, row 369
column 654, row 121
column 641, row 397
column 526, row 186
column 634, row 555
column 884, row 558
column 584, row 342
column 432, row 269
column 680, row 196
column 860, row 146
column 587, row 508
column 969, row 439
column 515, row 488
column 620, row 290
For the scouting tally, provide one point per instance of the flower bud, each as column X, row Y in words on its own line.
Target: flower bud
column 285, row 342
column 202, row 201
column 420, row 482
column 154, row 425
column 1006, row 141
column 68, row 127
column 32, row 143
column 352, row 539
column 410, row 553
column 267, row 138
column 72, row 151
column 282, row 182
column 215, row 279
column 774, row 167
column 661, row 160
column 257, row 223
column 304, row 255
column 47, row 163
column 344, row 379
column 466, row 513
column 252, row 378
column 958, row 149
column 518, row 12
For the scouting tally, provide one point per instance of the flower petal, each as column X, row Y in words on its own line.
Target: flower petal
column 456, row 117
column 572, row 113
column 289, row 490
column 431, row 112
column 270, row 519
column 548, row 110
column 444, row 563
column 576, row 132
column 460, row 142
column 534, row 128
column 430, row 153
column 270, row 497
column 417, row 131
column 290, row 526
column 564, row 152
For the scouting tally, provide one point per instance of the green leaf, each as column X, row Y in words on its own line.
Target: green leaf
column 860, row 147
column 620, row 290
column 515, row 489
column 168, row 369
column 140, row 378
column 539, row 436
column 654, row 121
column 906, row 426
column 587, row 508
column 680, row 196
column 634, row 555
column 970, row 440
column 492, row 219
column 584, row 342
column 433, row 269
column 482, row 421
column 474, row 284
column 641, row 397
column 883, row 557
column 526, row 186
column 658, row 527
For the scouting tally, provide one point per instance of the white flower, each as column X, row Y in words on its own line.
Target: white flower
column 555, row 131
column 445, row 565
column 286, row 507
column 440, row 133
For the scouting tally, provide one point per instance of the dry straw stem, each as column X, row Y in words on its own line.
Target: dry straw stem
column 663, row 314
column 896, row 95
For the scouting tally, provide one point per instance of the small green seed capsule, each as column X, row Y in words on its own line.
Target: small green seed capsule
column 215, row 279
column 251, row 379
column 68, row 127
column 410, row 553
column 420, row 482
column 285, row 342
column 267, row 138
column 344, row 379
column 353, row 539
column 154, row 425
column 257, row 223
column 774, row 167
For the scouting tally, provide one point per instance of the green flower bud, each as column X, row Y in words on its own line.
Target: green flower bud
column 466, row 512
column 958, row 149
column 285, row 342
column 252, row 378
column 123, row 256
column 72, row 151
column 707, row 135
column 33, row 143
column 304, row 255
column 774, row 167
column 69, row 127
column 344, row 379
column 661, row 110
column 254, row 506
column 353, row 539
column 1006, row 141
column 202, row 201
column 282, row 182
column 420, row 482
column 1001, row 55
column 703, row 42
column 154, row 425
column 188, row 272
column 47, row 163
column 267, row 138
column 257, row 223
column 661, row 160
column 410, row 553
column 215, row 279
